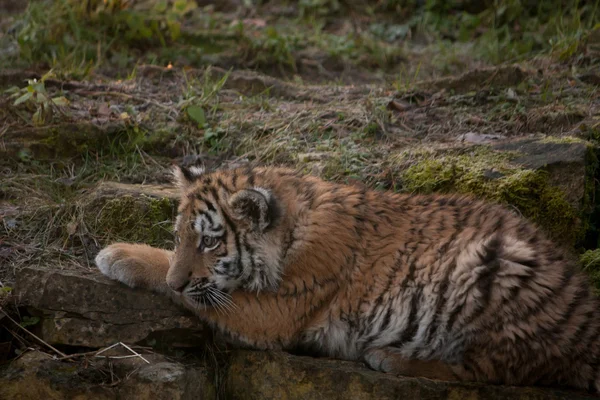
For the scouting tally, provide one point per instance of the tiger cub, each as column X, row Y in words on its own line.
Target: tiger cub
column 443, row 287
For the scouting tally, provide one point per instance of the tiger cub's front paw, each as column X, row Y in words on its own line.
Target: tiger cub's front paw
column 136, row 265
column 117, row 262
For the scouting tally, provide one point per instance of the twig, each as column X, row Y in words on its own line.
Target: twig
column 121, row 357
column 131, row 350
column 98, row 352
column 107, row 348
column 60, row 353
column 75, row 355
column 135, row 354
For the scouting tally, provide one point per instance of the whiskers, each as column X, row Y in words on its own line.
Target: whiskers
column 211, row 296
column 222, row 301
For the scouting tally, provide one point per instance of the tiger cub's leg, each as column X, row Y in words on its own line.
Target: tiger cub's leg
column 136, row 265
column 387, row 360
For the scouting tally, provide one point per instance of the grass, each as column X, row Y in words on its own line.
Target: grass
column 76, row 38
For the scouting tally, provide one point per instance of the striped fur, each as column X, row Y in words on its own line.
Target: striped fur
column 444, row 287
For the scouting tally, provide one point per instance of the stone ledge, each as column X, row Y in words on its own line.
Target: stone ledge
column 273, row 375
column 83, row 308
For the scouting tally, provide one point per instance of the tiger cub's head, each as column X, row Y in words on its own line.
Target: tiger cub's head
column 226, row 235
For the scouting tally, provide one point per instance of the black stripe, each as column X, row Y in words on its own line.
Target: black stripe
column 483, row 283
column 208, row 217
column 187, row 174
column 213, row 191
column 413, row 323
column 209, row 205
column 440, row 304
column 238, row 247
column 250, row 252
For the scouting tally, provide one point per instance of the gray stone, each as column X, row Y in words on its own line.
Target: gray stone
column 86, row 309
column 567, row 163
column 273, row 375
column 38, row 376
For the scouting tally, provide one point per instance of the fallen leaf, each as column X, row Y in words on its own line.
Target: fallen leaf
column 71, row 228
column 103, row 110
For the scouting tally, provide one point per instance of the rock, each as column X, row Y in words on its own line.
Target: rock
column 125, row 212
column 478, row 138
column 37, row 376
column 82, row 308
column 86, row 309
column 550, row 181
column 567, row 162
column 250, row 375
column 273, row 375
column 169, row 380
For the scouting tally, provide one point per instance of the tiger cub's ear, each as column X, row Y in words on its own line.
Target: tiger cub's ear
column 256, row 206
column 184, row 177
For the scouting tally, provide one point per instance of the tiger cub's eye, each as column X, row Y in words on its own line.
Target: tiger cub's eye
column 209, row 242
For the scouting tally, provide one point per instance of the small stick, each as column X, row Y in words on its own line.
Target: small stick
column 74, row 355
column 120, row 357
column 137, row 354
column 107, row 348
column 60, row 353
column 97, row 352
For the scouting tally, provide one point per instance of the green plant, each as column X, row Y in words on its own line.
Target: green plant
column 29, row 321
column 36, row 99
column 317, row 8
column 75, row 35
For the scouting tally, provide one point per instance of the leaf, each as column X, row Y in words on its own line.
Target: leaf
column 60, row 101
column 47, row 75
column 196, row 113
column 39, row 87
column 13, row 90
column 72, row 228
column 174, row 30
column 23, row 98
column 210, row 134
column 37, row 117
column 160, row 6
column 28, row 321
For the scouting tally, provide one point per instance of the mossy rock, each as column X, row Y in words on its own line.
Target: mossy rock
column 549, row 182
column 277, row 375
column 36, row 375
column 133, row 213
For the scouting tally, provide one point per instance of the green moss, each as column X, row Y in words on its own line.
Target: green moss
column 562, row 139
column 140, row 219
column 490, row 175
column 590, row 262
